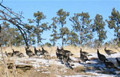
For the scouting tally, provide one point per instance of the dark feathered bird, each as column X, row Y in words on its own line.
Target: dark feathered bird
column 118, row 62
column 37, row 52
column 109, row 64
column 15, row 52
column 9, row 54
column 109, row 52
column 58, row 49
column 66, row 52
column 63, row 55
column 40, row 52
column 29, row 52
column 101, row 56
column 83, row 57
column 84, row 52
column 20, row 55
column 66, row 61
column 44, row 51
column 59, row 53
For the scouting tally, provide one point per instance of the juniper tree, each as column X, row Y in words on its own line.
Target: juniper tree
column 114, row 23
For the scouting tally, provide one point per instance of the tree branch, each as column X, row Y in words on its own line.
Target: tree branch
column 15, row 19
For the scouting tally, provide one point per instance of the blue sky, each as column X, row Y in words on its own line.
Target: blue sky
column 50, row 7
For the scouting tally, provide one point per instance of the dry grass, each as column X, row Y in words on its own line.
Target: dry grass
column 52, row 50
column 44, row 71
column 52, row 70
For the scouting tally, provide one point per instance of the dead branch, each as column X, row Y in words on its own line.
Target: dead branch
column 8, row 15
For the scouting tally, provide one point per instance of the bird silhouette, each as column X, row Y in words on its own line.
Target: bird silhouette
column 44, row 51
column 29, row 52
column 109, row 52
column 15, row 52
column 101, row 56
column 84, row 52
column 83, row 57
column 9, row 54
column 37, row 52
column 109, row 64
column 118, row 62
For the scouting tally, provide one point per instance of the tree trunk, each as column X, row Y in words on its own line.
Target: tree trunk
column 62, row 37
column 118, row 39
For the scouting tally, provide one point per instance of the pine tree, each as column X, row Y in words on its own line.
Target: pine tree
column 99, row 27
column 11, row 36
column 114, row 23
column 72, row 39
column 40, row 27
column 54, row 34
column 61, row 18
column 82, row 25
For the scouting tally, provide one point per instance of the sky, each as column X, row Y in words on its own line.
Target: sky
column 50, row 7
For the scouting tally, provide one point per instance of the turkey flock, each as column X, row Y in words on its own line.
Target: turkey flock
column 64, row 56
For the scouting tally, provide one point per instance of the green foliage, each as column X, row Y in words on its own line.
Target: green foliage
column 82, row 25
column 61, row 19
column 11, row 36
column 62, row 16
column 40, row 27
column 47, row 44
column 83, row 29
column 72, row 39
column 39, row 16
column 30, row 33
column 99, row 27
column 64, row 33
column 114, row 23
column 54, row 34
column 31, row 21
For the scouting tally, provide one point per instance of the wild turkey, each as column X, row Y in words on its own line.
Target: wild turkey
column 101, row 56
column 66, row 61
column 66, row 52
column 40, row 52
column 29, row 52
column 63, row 55
column 20, row 55
column 58, row 53
column 109, row 64
column 9, row 54
column 37, row 52
column 15, row 52
column 85, row 53
column 44, row 51
column 118, row 62
column 83, row 57
column 109, row 52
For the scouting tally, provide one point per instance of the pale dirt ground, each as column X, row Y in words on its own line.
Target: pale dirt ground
column 50, row 70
